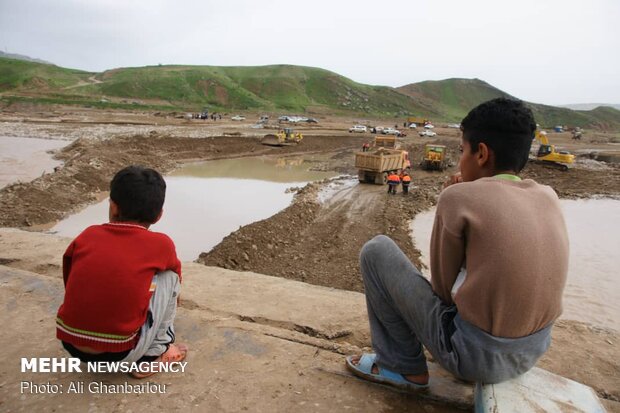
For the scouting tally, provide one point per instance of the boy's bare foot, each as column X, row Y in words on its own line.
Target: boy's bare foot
column 175, row 353
column 421, row 379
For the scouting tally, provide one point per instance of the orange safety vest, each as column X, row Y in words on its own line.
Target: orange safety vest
column 393, row 178
column 406, row 178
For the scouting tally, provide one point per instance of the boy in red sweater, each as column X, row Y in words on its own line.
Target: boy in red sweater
column 122, row 281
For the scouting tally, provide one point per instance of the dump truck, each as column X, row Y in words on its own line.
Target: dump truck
column 374, row 166
column 435, row 157
column 285, row 137
column 548, row 155
column 418, row 120
column 388, row 142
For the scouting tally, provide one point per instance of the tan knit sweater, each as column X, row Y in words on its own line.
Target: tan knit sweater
column 511, row 238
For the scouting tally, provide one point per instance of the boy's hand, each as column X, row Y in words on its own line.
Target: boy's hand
column 454, row 179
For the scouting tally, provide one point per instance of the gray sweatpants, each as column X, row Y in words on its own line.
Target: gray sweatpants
column 157, row 332
column 404, row 314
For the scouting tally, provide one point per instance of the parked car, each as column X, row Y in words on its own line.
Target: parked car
column 428, row 126
column 238, row 117
column 390, row 131
column 412, row 126
column 454, row 125
column 358, row 128
column 428, row 133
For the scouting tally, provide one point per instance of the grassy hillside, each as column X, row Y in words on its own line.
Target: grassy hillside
column 294, row 88
column 453, row 98
column 24, row 75
column 277, row 87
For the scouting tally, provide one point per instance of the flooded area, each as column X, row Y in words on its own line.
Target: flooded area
column 24, row 159
column 206, row 201
column 592, row 294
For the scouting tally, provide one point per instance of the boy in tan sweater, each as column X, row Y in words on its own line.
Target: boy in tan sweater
column 499, row 259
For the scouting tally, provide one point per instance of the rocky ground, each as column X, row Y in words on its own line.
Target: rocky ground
column 317, row 238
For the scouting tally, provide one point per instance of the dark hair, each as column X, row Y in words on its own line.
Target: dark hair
column 506, row 126
column 139, row 193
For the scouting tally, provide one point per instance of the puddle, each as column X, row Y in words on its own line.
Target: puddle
column 207, row 201
column 591, row 294
column 24, row 159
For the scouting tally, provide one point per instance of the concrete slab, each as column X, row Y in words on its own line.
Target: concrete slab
column 537, row 391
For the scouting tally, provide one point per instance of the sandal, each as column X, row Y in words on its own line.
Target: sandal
column 363, row 369
column 175, row 353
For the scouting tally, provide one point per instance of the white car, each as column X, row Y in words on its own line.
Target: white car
column 238, row 117
column 454, row 125
column 390, row 131
column 428, row 126
column 428, row 133
column 358, row 128
column 412, row 126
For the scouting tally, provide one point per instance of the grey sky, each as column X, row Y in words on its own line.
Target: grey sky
column 544, row 51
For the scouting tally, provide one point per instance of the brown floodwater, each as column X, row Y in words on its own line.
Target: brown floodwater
column 24, row 159
column 592, row 292
column 207, row 201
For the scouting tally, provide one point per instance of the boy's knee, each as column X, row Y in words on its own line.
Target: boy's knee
column 376, row 248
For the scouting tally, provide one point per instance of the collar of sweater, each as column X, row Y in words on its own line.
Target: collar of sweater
column 508, row 177
column 124, row 224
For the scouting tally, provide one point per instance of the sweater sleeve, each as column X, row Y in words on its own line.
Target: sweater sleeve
column 66, row 262
column 447, row 249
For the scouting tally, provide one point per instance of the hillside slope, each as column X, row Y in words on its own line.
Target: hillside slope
column 453, row 98
column 275, row 87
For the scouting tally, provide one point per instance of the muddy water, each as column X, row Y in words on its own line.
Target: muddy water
column 592, row 293
column 206, row 201
column 24, row 159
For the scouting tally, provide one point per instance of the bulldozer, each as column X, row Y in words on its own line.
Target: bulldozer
column 548, row 155
column 285, row 137
column 435, row 157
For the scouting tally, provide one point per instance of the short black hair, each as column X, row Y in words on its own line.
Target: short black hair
column 506, row 126
column 139, row 193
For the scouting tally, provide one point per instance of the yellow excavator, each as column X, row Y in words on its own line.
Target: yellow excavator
column 549, row 156
column 284, row 137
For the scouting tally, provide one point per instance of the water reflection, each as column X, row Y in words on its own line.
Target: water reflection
column 24, row 159
column 207, row 201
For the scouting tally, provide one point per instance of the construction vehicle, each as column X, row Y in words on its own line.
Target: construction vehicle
column 417, row 120
column 548, row 156
column 285, row 137
column 388, row 142
column 374, row 166
column 435, row 157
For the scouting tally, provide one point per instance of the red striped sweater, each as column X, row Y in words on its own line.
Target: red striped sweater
column 108, row 270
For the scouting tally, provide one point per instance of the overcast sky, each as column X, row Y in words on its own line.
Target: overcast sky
column 543, row 51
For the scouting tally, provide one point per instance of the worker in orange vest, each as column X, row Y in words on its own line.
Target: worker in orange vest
column 393, row 182
column 406, row 181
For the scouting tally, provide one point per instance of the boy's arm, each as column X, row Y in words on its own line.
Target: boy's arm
column 447, row 255
column 66, row 262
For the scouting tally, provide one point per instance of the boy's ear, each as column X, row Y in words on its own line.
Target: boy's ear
column 158, row 217
column 484, row 154
column 113, row 211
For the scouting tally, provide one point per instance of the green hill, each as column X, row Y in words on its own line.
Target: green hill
column 453, row 98
column 275, row 88
column 25, row 75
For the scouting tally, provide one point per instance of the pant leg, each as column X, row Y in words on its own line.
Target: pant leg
column 403, row 311
column 158, row 330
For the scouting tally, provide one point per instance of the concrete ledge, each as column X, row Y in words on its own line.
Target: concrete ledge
column 536, row 391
